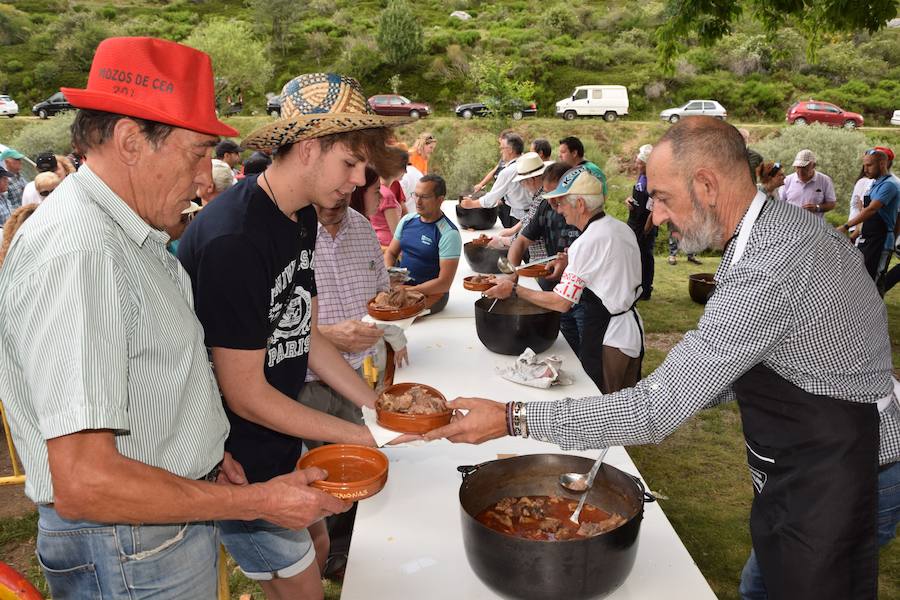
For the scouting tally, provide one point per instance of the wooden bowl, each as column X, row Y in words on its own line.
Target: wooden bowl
column 412, row 423
column 354, row 472
column 469, row 284
column 701, row 286
column 535, row 271
column 397, row 313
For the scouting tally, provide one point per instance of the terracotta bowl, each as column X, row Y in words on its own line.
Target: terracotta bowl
column 396, row 314
column 412, row 423
column 534, row 271
column 701, row 286
column 354, row 472
column 469, row 284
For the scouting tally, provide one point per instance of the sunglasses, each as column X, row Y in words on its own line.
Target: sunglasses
column 775, row 168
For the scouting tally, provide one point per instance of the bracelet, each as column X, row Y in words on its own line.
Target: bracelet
column 519, row 420
column 509, row 419
column 847, row 225
column 514, row 288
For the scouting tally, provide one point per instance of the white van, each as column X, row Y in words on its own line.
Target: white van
column 607, row 101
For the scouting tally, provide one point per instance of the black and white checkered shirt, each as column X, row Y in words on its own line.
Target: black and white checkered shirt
column 799, row 301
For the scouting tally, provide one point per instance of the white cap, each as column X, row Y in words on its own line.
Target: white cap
column 644, row 152
column 804, row 157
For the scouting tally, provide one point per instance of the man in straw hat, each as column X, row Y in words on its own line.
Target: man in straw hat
column 808, row 361
column 249, row 255
column 114, row 409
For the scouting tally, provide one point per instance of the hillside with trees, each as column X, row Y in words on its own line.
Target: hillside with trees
column 755, row 61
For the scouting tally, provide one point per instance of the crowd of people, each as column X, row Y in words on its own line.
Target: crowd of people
column 179, row 325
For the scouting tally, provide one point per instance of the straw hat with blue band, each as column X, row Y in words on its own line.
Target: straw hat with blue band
column 584, row 180
column 319, row 104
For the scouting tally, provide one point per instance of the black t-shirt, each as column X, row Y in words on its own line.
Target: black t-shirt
column 550, row 226
column 245, row 257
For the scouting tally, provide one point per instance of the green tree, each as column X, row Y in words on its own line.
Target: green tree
column 77, row 36
column 711, row 20
column 240, row 62
column 400, row 35
column 14, row 25
column 275, row 18
column 496, row 81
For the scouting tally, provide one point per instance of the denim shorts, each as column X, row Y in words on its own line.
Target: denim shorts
column 83, row 560
column 265, row 551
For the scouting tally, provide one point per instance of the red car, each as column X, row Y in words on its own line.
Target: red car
column 813, row 111
column 393, row 105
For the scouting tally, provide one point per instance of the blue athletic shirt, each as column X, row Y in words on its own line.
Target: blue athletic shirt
column 886, row 190
column 424, row 245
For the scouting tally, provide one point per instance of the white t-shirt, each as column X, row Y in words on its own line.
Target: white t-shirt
column 30, row 195
column 408, row 183
column 856, row 198
column 606, row 259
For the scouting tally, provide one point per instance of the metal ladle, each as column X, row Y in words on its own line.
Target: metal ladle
column 506, row 267
column 579, row 482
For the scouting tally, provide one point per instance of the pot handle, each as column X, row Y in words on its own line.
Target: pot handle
column 648, row 497
column 467, row 470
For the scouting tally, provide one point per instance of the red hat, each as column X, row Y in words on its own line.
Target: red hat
column 152, row 79
column 887, row 151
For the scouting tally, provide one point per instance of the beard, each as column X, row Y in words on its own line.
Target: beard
column 702, row 231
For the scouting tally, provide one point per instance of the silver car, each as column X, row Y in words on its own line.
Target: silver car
column 694, row 108
column 8, row 106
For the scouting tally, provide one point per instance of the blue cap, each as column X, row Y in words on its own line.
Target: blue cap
column 586, row 180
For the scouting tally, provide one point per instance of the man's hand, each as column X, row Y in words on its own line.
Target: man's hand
column 558, row 266
column 477, row 188
column 814, row 208
column 630, row 203
column 352, row 336
column 485, row 420
column 401, row 356
column 502, row 289
column 232, row 472
column 469, row 202
column 289, row 501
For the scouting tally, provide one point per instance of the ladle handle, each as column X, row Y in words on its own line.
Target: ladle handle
column 596, row 468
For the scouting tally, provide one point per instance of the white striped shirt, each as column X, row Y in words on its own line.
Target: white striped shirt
column 97, row 331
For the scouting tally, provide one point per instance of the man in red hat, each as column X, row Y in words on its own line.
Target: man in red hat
column 249, row 255
column 113, row 406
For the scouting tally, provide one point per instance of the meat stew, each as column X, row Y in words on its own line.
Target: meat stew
column 546, row 518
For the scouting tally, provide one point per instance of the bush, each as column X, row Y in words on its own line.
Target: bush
column 50, row 134
column 560, row 19
column 474, row 156
column 838, row 154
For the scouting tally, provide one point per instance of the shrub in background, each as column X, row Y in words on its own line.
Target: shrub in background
column 838, row 154
column 468, row 161
column 52, row 134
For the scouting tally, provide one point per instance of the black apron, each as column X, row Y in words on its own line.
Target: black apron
column 596, row 322
column 872, row 236
column 814, row 465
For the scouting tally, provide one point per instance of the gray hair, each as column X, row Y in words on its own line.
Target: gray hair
column 592, row 202
column 222, row 175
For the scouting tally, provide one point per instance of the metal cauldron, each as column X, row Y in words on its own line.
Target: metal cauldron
column 701, row 286
column 476, row 218
column 515, row 324
column 529, row 569
column 481, row 258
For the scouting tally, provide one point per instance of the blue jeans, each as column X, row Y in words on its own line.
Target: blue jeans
column 83, row 560
column 754, row 588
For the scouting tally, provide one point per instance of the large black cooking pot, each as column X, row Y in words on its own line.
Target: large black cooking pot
column 570, row 569
column 481, row 258
column 476, row 218
column 515, row 324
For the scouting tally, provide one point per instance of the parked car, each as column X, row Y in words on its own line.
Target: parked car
column 895, row 120
column 517, row 110
column 56, row 103
column 694, row 108
column 273, row 106
column 8, row 106
column 813, row 111
column 607, row 101
column 393, row 105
